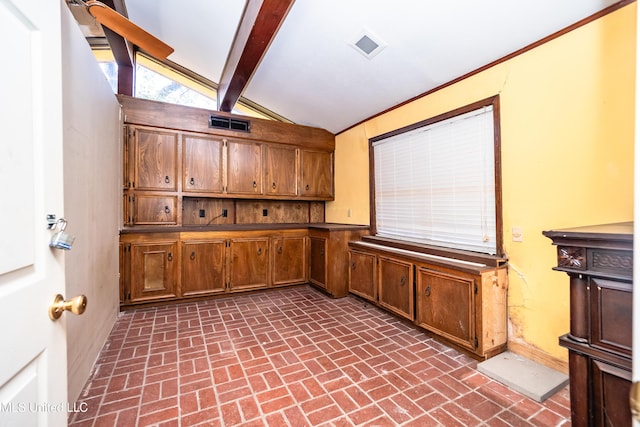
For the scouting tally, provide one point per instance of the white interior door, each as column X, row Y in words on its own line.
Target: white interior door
column 33, row 371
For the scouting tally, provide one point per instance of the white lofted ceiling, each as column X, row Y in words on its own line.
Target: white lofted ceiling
column 312, row 75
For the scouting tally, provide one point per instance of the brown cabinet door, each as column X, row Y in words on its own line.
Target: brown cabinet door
column 153, row 270
column 202, row 267
column 281, row 171
column 244, row 167
column 318, row 261
column 289, row 260
column 446, row 305
column 362, row 275
column 150, row 209
column 611, row 387
column 316, row 174
column 155, row 159
column 249, row 266
column 611, row 307
column 395, row 286
column 202, row 170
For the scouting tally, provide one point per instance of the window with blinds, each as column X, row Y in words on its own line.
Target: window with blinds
column 435, row 182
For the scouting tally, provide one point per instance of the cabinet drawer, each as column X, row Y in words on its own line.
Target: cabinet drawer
column 155, row 209
column 611, row 387
column 611, row 314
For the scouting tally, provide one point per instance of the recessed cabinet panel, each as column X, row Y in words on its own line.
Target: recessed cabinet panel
column 446, row 305
column 203, row 267
column 395, row 286
column 244, row 168
column 318, row 261
column 202, row 164
column 249, row 267
column 611, row 300
column 289, row 260
column 281, row 171
column 155, row 209
column 156, row 160
column 362, row 275
column 153, row 271
column 611, row 387
column 316, row 173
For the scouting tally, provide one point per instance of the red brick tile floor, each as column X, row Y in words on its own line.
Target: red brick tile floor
column 293, row 357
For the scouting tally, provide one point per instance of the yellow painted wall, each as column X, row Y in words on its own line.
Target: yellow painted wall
column 567, row 122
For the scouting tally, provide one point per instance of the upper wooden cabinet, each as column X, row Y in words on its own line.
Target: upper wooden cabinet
column 155, row 159
column 244, row 167
column 202, row 164
column 281, row 171
column 316, row 177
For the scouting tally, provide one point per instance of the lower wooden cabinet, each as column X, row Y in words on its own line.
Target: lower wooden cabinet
column 249, row 263
column 170, row 266
column 362, row 275
column 396, row 286
column 329, row 256
column 153, row 271
column 463, row 303
column 289, row 260
column 203, row 267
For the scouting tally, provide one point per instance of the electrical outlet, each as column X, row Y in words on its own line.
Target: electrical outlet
column 201, row 213
column 265, row 212
column 516, row 234
column 224, row 213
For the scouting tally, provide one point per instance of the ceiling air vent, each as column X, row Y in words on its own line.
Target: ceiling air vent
column 221, row 122
column 367, row 44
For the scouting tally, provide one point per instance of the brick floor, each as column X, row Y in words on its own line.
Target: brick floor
column 292, row 357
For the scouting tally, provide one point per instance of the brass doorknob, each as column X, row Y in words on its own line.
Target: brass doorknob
column 76, row 305
column 634, row 400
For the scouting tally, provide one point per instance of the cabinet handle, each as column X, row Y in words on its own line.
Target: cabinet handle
column 167, row 210
column 259, row 251
column 427, row 292
column 193, row 256
column 167, row 179
column 255, row 184
column 306, row 187
column 170, row 256
column 273, row 185
column 192, row 181
column 279, row 249
column 353, row 265
column 403, row 280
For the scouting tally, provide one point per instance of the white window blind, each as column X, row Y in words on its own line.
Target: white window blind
column 436, row 184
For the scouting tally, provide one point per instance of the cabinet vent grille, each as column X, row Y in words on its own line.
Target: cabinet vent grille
column 221, row 122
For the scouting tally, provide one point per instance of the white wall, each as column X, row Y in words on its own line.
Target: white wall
column 92, row 198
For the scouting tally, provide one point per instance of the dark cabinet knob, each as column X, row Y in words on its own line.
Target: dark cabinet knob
column 255, row 184
column 307, row 187
column 167, row 210
column 403, row 280
column 167, row 179
column 273, row 185
column 279, row 249
column 192, row 181
column 170, row 256
column 259, row 251
column 427, row 292
column 193, row 256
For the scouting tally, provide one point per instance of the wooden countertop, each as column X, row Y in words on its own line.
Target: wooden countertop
column 240, row 227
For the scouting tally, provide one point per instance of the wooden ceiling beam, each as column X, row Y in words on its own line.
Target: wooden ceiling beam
column 257, row 29
column 123, row 51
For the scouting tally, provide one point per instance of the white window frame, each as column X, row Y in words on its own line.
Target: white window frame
column 437, row 182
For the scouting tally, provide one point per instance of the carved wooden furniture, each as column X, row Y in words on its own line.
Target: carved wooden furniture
column 599, row 262
column 464, row 302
